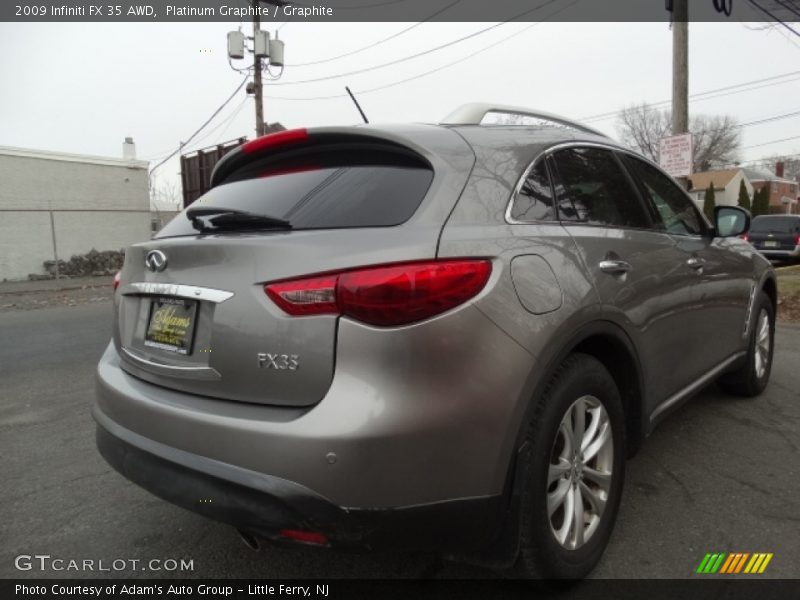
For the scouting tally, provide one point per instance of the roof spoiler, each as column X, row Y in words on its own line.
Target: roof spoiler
column 474, row 112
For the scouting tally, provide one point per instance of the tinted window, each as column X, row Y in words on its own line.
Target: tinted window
column 775, row 225
column 535, row 199
column 596, row 190
column 676, row 210
column 321, row 193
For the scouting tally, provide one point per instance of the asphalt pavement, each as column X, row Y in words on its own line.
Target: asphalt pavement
column 722, row 474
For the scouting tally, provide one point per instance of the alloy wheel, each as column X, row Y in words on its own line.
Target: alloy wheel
column 762, row 344
column 580, row 472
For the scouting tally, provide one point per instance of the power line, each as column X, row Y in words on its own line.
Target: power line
column 774, row 18
column 770, row 119
column 413, row 56
column 602, row 116
column 378, row 43
column 757, row 161
column 374, row 5
column 199, row 129
column 788, row 7
column 699, row 95
column 748, row 124
column 796, row 137
column 432, row 71
column 224, row 123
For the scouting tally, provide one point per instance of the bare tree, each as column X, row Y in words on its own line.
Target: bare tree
column 716, row 141
column 716, row 137
column 641, row 126
column 164, row 194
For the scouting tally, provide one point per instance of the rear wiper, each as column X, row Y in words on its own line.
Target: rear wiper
column 220, row 218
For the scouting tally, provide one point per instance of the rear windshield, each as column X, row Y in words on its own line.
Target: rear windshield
column 776, row 225
column 353, row 189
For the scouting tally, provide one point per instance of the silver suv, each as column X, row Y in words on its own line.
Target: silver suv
column 426, row 336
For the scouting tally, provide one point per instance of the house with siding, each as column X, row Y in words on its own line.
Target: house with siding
column 726, row 186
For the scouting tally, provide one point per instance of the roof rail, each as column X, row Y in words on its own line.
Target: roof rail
column 474, row 112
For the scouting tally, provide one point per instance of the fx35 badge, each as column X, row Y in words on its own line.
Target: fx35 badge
column 279, row 362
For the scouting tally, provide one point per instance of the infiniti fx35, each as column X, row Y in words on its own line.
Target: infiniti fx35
column 439, row 336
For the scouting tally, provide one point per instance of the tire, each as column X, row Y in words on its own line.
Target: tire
column 580, row 384
column 752, row 377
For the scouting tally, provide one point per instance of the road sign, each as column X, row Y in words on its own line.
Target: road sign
column 676, row 155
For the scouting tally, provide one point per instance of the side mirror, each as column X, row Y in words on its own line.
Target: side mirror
column 731, row 221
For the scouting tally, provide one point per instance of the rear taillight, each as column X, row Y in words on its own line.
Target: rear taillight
column 745, row 237
column 115, row 283
column 386, row 295
column 797, row 240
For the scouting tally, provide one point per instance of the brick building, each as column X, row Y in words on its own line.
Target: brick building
column 783, row 192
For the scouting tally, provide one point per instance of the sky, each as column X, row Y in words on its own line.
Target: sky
column 82, row 88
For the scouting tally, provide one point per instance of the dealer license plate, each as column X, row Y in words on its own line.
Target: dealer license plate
column 171, row 324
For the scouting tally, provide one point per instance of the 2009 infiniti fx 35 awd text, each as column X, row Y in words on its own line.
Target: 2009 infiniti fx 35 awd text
column 436, row 336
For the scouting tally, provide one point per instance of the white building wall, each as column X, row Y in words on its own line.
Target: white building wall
column 95, row 202
column 25, row 242
column 77, row 232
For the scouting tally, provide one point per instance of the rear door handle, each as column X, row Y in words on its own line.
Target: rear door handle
column 696, row 263
column 615, row 267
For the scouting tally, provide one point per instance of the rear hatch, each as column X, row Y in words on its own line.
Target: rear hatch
column 192, row 313
column 775, row 232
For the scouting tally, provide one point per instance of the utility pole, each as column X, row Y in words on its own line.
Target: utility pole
column 264, row 49
column 680, row 71
column 258, row 89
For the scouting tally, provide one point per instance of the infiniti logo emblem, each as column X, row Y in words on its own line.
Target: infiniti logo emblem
column 155, row 260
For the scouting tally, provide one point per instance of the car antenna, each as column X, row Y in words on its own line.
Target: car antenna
column 358, row 106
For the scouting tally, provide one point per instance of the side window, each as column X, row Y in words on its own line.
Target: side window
column 677, row 211
column 535, row 199
column 595, row 190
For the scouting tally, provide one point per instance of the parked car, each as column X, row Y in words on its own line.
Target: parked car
column 426, row 336
column 776, row 236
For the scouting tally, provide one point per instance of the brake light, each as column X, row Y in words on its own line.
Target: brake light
column 745, row 237
column 290, row 136
column 386, row 295
column 115, row 283
column 307, row 537
column 797, row 240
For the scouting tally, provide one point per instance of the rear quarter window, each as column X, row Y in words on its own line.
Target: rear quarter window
column 323, row 190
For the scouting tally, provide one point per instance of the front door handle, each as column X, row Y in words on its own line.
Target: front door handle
column 615, row 267
column 696, row 263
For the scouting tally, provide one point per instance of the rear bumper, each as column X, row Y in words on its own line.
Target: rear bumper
column 412, row 417
column 264, row 505
column 775, row 253
column 412, row 445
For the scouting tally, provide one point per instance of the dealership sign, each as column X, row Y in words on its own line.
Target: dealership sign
column 676, row 155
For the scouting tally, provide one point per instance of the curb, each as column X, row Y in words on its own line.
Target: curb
column 104, row 281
